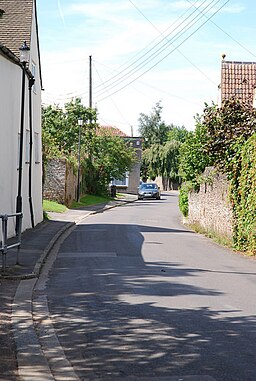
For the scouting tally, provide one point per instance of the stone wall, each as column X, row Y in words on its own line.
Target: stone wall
column 210, row 207
column 60, row 182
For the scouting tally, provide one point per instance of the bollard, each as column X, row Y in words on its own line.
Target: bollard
column 4, row 241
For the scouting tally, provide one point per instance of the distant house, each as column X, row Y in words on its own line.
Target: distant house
column 20, row 122
column 238, row 80
column 131, row 180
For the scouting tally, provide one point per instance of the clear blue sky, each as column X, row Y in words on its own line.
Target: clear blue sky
column 143, row 51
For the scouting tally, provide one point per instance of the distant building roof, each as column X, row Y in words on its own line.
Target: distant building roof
column 15, row 23
column 238, row 80
column 111, row 130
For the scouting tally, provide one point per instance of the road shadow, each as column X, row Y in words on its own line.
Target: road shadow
column 116, row 319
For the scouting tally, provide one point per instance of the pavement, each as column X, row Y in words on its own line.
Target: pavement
column 23, row 267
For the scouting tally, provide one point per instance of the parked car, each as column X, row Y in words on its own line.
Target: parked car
column 149, row 190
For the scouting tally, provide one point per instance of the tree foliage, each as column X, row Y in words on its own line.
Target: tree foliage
column 111, row 158
column 152, row 128
column 102, row 157
column 161, row 145
column 227, row 128
column 177, row 133
column 225, row 138
column 193, row 157
column 60, row 128
column 244, row 198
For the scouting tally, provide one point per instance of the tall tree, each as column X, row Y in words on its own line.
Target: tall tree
column 152, row 128
column 193, row 156
column 102, row 157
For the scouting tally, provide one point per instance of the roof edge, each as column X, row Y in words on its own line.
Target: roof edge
column 37, row 36
column 240, row 62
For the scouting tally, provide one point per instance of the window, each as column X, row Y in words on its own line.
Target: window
column 122, row 182
column 36, row 148
column 27, row 154
column 18, row 152
column 33, row 71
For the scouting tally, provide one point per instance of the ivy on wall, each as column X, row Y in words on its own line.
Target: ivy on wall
column 245, row 205
column 228, row 143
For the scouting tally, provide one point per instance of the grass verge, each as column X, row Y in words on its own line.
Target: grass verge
column 221, row 240
column 53, row 206
column 90, row 199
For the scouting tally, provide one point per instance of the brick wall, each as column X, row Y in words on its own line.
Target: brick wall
column 210, row 207
column 60, row 182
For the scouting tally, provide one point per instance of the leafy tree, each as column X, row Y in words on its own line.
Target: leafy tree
column 170, row 160
column 245, row 207
column 193, row 158
column 151, row 158
column 152, row 128
column 177, row 133
column 226, row 126
column 61, row 125
column 102, row 157
column 225, row 138
column 111, row 158
column 161, row 145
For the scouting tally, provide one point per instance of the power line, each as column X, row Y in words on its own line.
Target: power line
column 222, row 30
column 153, row 87
column 118, row 110
column 139, row 76
column 160, row 49
column 155, row 55
column 141, row 52
column 180, row 52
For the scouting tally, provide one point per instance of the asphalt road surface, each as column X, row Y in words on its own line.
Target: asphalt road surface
column 134, row 295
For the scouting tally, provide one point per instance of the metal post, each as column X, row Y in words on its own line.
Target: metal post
column 4, row 246
column 79, row 159
column 90, row 81
column 80, row 123
column 4, row 242
column 19, row 239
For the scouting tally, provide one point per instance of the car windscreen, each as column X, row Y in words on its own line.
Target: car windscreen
column 148, row 186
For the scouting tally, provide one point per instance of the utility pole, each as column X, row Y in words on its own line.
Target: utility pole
column 90, row 81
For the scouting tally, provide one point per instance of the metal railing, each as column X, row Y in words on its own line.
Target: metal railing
column 4, row 247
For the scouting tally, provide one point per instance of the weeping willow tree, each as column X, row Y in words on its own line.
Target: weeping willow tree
column 170, row 162
column 163, row 160
column 161, row 147
column 151, row 160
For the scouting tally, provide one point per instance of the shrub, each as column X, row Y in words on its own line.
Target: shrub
column 183, row 197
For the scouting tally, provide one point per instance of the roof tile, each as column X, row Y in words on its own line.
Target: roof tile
column 238, row 79
column 15, row 23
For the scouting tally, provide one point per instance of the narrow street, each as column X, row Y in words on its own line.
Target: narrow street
column 134, row 295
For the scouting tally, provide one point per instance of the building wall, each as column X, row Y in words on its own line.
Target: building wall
column 37, row 128
column 10, row 111
column 134, row 175
column 9, row 125
column 210, row 207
